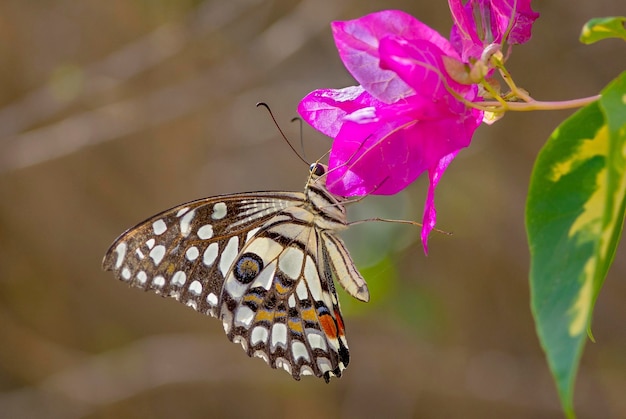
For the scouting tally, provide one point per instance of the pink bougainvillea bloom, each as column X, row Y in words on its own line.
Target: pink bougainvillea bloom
column 480, row 23
column 406, row 117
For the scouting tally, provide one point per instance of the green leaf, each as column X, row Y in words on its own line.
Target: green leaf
column 574, row 218
column 602, row 28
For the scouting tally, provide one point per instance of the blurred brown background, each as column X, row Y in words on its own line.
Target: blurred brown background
column 112, row 111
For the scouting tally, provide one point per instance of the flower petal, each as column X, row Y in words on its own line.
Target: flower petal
column 522, row 16
column 500, row 21
column 463, row 35
column 420, row 64
column 385, row 154
column 358, row 40
column 325, row 109
column 363, row 157
column 430, row 212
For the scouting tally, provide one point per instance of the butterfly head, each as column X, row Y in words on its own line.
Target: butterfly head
column 317, row 170
column 317, row 181
column 317, row 173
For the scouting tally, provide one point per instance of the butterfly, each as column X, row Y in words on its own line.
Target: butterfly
column 264, row 263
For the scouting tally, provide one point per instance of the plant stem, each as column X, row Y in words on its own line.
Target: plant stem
column 535, row 105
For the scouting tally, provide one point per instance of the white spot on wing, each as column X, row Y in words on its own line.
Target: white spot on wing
column 252, row 233
column 227, row 318
column 192, row 253
column 324, row 364
column 259, row 334
column 284, row 364
column 182, row 211
column 126, row 273
column 268, row 249
column 299, row 351
column 290, row 262
column 179, row 279
column 158, row 281
column 306, row 370
column 121, row 253
column 150, row 243
column 313, row 279
column 219, row 211
column 235, row 288
column 244, row 316
column 301, row 291
column 211, row 299
column 229, row 254
column 292, row 301
column 316, row 340
column 279, row 336
column 195, row 287
column 140, row 254
column 159, row 227
column 210, row 254
column 262, row 355
column 242, row 341
column 185, row 223
column 142, row 277
column 157, row 254
column 205, row 232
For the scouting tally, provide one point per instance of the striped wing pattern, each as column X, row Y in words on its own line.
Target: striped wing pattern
column 264, row 263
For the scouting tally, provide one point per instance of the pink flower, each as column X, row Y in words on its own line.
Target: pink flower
column 406, row 117
column 483, row 22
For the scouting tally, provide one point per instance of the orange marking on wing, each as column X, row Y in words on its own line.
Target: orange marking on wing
column 295, row 326
column 281, row 289
column 264, row 315
column 280, row 314
column 252, row 297
column 328, row 324
column 342, row 330
column 170, row 269
column 308, row 315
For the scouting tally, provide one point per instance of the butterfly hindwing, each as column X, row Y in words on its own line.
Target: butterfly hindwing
column 279, row 302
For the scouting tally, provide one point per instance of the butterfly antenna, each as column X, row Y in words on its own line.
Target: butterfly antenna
column 266, row 106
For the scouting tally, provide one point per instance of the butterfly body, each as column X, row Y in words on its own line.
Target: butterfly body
column 264, row 263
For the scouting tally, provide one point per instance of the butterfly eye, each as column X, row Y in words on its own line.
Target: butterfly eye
column 248, row 267
column 317, row 169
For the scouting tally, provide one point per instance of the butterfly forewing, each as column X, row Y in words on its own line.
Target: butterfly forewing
column 179, row 252
column 262, row 262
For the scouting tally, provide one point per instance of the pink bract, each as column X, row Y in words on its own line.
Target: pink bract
column 358, row 41
column 408, row 116
column 500, row 21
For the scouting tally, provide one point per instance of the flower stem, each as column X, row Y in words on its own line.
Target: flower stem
column 534, row 105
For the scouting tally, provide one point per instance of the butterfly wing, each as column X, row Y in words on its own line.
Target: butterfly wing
column 186, row 251
column 280, row 303
column 244, row 259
